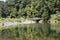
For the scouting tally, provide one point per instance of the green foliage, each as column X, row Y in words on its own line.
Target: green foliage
column 0, row 12
column 29, row 8
column 45, row 15
column 13, row 12
column 56, row 16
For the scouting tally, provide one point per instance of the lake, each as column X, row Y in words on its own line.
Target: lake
column 34, row 31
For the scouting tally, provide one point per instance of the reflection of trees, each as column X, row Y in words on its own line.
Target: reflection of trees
column 45, row 28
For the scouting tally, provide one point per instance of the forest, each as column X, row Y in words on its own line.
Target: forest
column 30, row 9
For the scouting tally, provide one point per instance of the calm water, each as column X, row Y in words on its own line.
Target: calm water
column 36, row 31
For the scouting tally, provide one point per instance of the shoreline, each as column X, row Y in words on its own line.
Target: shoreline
column 8, row 22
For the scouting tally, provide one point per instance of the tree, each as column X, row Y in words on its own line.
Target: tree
column 13, row 12
column 45, row 15
column 29, row 8
column 1, row 6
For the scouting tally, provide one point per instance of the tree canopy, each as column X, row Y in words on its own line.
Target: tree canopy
column 29, row 8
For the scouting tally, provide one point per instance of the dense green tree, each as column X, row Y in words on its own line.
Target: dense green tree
column 29, row 8
column 22, row 13
column 0, row 12
column 13, row 12
column 45, row 15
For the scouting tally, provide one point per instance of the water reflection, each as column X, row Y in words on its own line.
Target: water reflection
column 27, row 31
column 43, row 29
column 46, row 28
